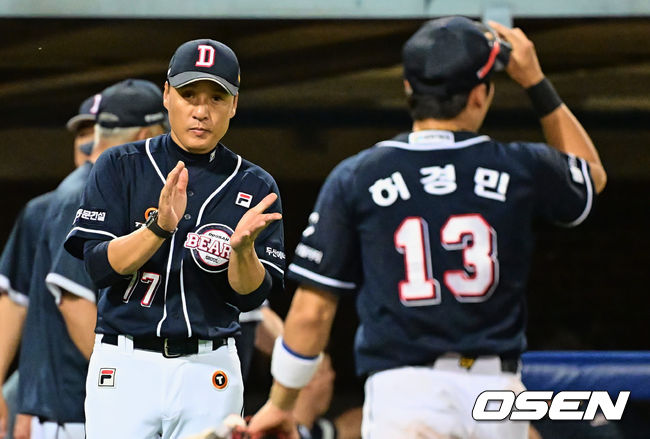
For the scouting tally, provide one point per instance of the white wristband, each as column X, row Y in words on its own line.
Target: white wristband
column 290, row 368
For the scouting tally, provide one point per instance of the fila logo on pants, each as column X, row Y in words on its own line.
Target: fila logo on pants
column 106, row 377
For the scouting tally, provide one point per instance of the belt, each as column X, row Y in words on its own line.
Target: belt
column 168, row 347
column 508, row 364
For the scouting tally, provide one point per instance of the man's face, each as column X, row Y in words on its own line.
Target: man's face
column 199, row 114
column 84, row 134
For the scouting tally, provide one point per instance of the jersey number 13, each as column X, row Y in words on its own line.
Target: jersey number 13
column 469, row 233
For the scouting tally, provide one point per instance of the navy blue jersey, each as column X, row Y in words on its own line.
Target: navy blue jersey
column 434, row 231
column 67, row 272
column 52, row 370
column 183, row 289
column 18, row 255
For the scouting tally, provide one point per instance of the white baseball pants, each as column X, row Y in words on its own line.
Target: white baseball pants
column 436, row 402
column 133, row 393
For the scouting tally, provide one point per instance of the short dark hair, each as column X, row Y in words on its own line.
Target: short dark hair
column 435, row 107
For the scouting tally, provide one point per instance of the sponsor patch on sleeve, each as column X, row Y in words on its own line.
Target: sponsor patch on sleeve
column 309, row 253
column 275, row 253
column 90, row 215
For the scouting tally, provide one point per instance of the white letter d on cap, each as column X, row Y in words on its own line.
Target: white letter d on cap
column 206, row 56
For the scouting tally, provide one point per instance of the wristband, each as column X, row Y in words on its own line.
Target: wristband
column 543, row 97
column 290, row 368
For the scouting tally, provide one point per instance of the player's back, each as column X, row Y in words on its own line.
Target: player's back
column 18, row 254
column 444, row 222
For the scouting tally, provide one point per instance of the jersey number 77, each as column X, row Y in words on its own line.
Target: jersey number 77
column 469, row 233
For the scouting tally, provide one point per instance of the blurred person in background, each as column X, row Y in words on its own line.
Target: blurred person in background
column 82, row 127
column 52, row 369
column 16, row 265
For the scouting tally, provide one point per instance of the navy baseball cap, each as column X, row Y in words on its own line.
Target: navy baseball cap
column 131, row 103
column 200, row 60
column 87, row 113
column 452, row 55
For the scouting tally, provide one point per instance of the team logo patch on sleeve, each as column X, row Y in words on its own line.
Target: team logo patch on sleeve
column 106, row 377
column 210, row 247
column 243, row 199
column 220, row 380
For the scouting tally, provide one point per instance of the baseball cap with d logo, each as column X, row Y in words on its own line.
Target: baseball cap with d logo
column 200, row 60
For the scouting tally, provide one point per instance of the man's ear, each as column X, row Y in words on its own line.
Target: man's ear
column 143, row 133
column 479, row 95
column 408, row 90
column 166, row 95
column 234, row 105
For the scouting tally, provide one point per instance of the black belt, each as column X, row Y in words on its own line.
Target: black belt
column 168, row 347
column 508, row 364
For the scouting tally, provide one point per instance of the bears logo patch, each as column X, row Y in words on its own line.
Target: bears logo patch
column 210, row 247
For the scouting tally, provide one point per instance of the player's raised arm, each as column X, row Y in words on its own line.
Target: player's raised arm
column 561, row 128
column 245, row 271
column 127, row 254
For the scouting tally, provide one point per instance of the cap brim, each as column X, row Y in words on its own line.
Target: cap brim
column 185, row 78
column 74, row 122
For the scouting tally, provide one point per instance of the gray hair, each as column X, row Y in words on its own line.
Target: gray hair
column 116, row 135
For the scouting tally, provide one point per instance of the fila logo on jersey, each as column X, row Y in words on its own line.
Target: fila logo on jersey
column 243, row 199
column 220, row 379
column 206, row 56
column 210, row 247
column 106, row 377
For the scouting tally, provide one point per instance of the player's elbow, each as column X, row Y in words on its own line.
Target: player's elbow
column 99, row 268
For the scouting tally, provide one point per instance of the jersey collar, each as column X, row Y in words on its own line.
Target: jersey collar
column 428, row 140
column 188, row 157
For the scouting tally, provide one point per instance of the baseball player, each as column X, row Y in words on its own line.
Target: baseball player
column 52, row 369
column 129, row 111
column 18, row 258
column 173, row 231
column 433, row 230
column 15, row 270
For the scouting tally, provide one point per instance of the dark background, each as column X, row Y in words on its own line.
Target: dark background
column 316, row 91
